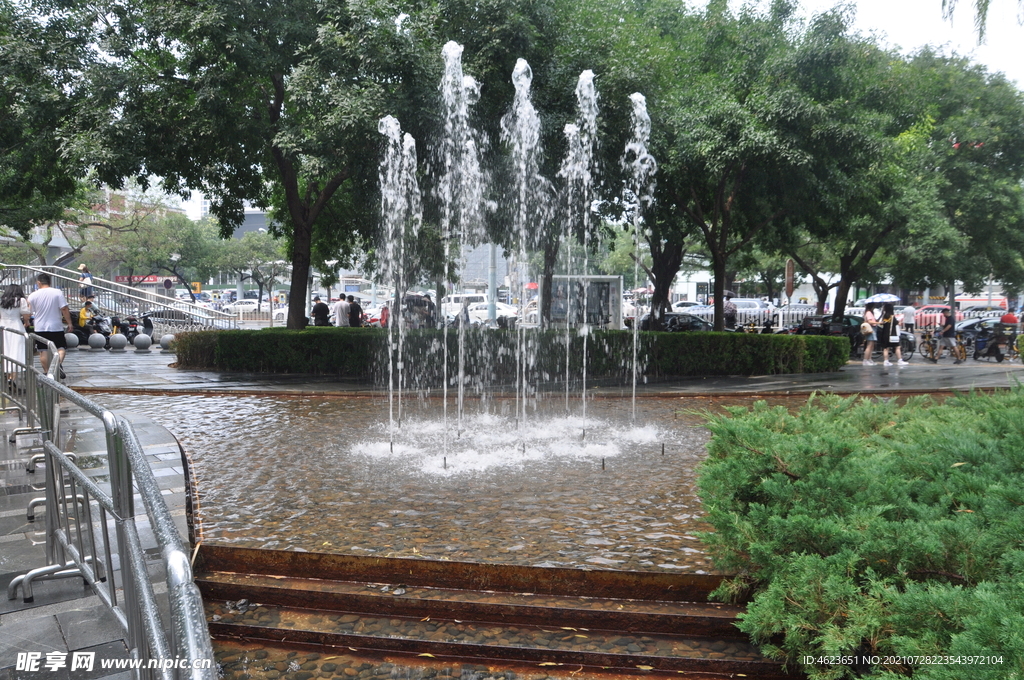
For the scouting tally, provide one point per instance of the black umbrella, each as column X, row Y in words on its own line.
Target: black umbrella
column 728, row 293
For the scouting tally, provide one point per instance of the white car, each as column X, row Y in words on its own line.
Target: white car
column 479, row 311
column 247, row 307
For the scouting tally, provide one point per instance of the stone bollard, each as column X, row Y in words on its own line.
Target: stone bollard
column 118, row 342
column 142, row 343
column 97, row 342
column 72, row 340
column 165, row 341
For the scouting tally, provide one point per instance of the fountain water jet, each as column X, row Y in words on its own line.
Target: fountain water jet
column 402, row 216
column 640, row 192
column 578, row 171
column 460, row 189
column 520, row 128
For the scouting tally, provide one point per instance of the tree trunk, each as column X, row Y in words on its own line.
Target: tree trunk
column 301, row 243
column 550, row 258
column 665, row 265
column 718, row 262
column 842, row 292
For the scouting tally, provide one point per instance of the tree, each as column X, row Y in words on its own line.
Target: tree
column 273, row 104
column 977, row 147
column 734, row 149
column 160, row 243
column 980, row 14
column 39, row 69
column 257, row 256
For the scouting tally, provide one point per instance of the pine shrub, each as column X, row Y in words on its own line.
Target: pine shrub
column 860, row 527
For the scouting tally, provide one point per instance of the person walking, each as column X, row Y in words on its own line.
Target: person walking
column 948, row 336
column 14, row 317
column 355, row 313
column 908, row 318
column 889, row 335
column 341, row 312
column 870, row 338
column 84, row 282
column 50, row 308
column 320, row 312
column 729, row 311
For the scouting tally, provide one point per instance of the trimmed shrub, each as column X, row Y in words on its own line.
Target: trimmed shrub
column 490, row 356
column 861, row 528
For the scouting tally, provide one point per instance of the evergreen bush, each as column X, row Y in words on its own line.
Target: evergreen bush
column 490, row 356
column 863, row 528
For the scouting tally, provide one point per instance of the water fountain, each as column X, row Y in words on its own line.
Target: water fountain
column 515, row 521
column 639, row 195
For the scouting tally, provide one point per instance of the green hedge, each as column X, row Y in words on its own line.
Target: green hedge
column 360, row 353
column 866, row 528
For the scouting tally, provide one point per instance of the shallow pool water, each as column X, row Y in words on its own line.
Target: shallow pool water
column 322, row 474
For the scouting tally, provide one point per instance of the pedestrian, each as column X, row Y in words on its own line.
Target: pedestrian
column 908, row 318
column 14, row 317
column 355, row 312
column 889, row 335
column 384, row 315
column 729, row 311
column 50, row 308
column 948, row 336
column 85, row 314
column 869, row 331
column 84, row 282
column 341, row 312
column 321, row 312
column 1009, row 317
column 430, row 317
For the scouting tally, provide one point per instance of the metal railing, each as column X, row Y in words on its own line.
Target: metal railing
column 118, row 299
column 79, row 517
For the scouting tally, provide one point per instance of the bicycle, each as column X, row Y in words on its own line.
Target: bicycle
column 931, row 347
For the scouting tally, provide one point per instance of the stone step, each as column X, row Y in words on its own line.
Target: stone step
column 450, row 638
column 650, row 616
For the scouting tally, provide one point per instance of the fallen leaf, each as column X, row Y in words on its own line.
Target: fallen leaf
column 580, row 636
column 567, row 628
column 646, row 668
column 425, row 654
column 549, row 663
column 426, row 619
column 958, row 464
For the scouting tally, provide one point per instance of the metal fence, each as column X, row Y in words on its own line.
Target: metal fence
column 118, row 299
column 91, row 530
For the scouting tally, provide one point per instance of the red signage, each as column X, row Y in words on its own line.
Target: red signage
column 152, row 278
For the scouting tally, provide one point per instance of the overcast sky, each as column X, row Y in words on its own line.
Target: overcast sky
column 910, row 24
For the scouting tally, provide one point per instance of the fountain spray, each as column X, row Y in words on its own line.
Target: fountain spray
column 401, row 217
column 640, row 193
column 520, row 128
column 578, row 171
column 461, row 193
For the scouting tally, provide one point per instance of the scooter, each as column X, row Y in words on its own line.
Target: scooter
column 129, row 327
column 986, row 346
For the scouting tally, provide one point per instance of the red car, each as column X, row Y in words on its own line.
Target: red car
column 932, row 315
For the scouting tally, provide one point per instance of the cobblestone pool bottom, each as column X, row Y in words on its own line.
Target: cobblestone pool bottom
column 319, row 474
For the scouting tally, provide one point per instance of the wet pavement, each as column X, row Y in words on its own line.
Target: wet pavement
column 130, row 371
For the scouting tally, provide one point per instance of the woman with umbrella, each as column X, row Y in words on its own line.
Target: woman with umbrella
column 872, row 324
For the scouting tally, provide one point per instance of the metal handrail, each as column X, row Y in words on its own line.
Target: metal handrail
column 79, row 545
column 120, row 299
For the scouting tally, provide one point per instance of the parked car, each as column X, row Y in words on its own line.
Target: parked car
column 970, row 328
column 677, row 321
column 932, row 315
column 684, row 305
column 982, row 310
column 246, row 306
column 792, row 313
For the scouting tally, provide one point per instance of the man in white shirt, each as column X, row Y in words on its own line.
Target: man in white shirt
column 341, row 312
column 49, row 310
